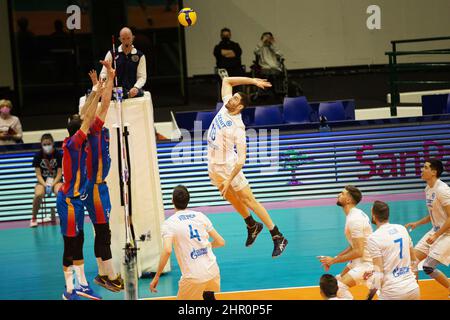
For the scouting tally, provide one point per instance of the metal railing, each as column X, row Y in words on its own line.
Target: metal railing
column 396, row 68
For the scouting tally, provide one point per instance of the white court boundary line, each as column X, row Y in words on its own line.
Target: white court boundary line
column 258, row 290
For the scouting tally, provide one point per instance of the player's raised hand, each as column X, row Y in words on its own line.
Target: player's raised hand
column 100, row 87
column 262, row 83
column 108, row 65
column 93, row 76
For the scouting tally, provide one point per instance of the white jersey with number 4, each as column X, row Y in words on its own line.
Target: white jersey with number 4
column 437, row 198
column 357, row 225
column 392, row 243
column 225, row 132
column 189, row 231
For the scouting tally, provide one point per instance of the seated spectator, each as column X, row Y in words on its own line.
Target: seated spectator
column 228, row 54
column 328, row 287
column 269, row 64
column 10, row 126
column 48, row 166
column 268, row 56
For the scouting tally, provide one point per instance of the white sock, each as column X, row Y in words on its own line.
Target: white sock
column 79, row 272
column 109, row 269
column 101, row 270
column 68, row 276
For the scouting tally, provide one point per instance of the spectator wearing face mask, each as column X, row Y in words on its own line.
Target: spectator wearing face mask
column 228, row 54
column 131, row 67
column 10, row 126
column 48, row 166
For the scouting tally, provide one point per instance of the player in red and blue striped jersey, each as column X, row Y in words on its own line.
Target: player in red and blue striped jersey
column 96, row 199
column 69, row 205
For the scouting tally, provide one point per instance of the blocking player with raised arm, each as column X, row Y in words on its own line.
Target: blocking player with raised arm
column 189, row 232
column 394, row 261
column 434, row 246
column 69, row 205
column 226, row 132
column 96, row 199
column 357, row 229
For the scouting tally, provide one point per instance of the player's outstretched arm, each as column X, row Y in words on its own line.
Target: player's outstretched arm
column 229, row 82
column 218, row 241
column 355, row 252
column 443, row 229
column 88, row 100
column 412, row 225
column 91, row 109
column 106, row 96
column 165, row 255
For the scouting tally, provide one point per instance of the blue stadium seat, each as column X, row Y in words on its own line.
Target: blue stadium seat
column 349, row 109
column 206, row 118
column 248, row 116
column 185, row 120
column 435, row 104
column 297, row 110
column 333, row 111
column 267, row 115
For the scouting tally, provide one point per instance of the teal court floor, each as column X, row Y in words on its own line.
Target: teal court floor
column 30, row 259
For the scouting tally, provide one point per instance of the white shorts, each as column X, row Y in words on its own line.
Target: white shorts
column 357, row 270
column 439, row 250
column 219, row 172
column 411, row 295
column 189, row 289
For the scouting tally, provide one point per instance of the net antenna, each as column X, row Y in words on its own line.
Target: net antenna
column 130, row 249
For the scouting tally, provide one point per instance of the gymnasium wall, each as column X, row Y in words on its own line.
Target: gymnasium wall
column 6, row 69
column 313, row 165
column 314, row 33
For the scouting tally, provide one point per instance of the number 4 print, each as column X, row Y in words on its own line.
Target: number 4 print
column 194, row 233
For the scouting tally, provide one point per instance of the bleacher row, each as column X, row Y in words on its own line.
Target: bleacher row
column 292, row 111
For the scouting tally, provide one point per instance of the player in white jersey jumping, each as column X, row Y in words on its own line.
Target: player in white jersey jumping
column 189, row 232
column 434, row 246
column 357, row 229
column 226, row 132
column 394, row 261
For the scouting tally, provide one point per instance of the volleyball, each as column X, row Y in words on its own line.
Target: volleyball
column 187, row 17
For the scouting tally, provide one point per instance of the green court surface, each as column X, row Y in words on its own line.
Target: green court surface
column 31, row 259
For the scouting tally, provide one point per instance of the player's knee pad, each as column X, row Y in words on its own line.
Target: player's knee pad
column 78, row 249
column 343, row 291
column 69, row 245
column 102, row 241
column 102, row 234
column 429, row 266
column 428, row 270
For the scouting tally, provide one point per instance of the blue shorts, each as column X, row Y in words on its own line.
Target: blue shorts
column 97, row 203
column 71, row 214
